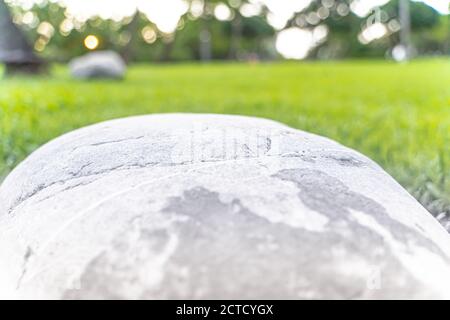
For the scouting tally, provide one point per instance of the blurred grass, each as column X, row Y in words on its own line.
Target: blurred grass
column 398, row 114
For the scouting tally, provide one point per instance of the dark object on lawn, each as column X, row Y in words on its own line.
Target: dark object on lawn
column 15, row 52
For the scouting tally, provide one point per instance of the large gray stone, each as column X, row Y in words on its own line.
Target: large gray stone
column 98, row 64
column 212, row 206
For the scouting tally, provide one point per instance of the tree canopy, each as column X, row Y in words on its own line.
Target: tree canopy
column 205, row 35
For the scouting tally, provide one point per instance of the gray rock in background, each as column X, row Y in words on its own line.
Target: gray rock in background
column 98, row 64
column 210, row 207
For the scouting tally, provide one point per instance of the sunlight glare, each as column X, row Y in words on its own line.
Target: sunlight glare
column 91, row 42
column 294, row 43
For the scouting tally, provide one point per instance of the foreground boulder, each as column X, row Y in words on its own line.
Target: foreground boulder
column 212, row 207
column 99, row 64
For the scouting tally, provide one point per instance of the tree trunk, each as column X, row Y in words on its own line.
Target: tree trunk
column 205, row 43
column 167, row 50
column 447, row 42
column 236, row 34
column 405, row 22
column 132, row 28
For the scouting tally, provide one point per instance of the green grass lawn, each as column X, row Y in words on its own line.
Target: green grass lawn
column 397, row 114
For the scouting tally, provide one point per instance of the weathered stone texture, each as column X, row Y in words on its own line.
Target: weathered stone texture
column 212, row 206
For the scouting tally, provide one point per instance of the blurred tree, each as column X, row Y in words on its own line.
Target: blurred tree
column 236, row 30
column 205, row 37
column 15, row 51
column 419, row 26
column 343, row 27
column 422, row 16
column 250, row 43
column 131, row 33
column 201, row 35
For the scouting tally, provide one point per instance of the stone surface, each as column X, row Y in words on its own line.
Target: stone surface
column 211, row 206
column 98, row 64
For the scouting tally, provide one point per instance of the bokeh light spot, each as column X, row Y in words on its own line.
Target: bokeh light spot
column 91, row 42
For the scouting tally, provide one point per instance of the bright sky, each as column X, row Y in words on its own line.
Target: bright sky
column 171, row 10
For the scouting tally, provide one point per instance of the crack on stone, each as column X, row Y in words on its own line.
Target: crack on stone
column 78, row 172
column 301, row 155
column 107, row 142
column 83, row 183
column 77, row 175
column 345, row 160
column 26, row 258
